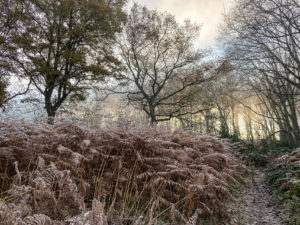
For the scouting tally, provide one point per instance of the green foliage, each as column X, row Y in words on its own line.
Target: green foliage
column 294, row 207
column 3, row 93
column 283, row 177
column 275, row 177
column 255, row 153
column 261, row 152
column 236, row 191
column 8, row 21
column 65, row 46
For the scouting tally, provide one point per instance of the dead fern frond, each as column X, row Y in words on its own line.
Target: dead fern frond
column 113, row 175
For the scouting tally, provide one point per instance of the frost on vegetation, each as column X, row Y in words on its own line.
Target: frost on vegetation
column 289, row 162
column 123, row 174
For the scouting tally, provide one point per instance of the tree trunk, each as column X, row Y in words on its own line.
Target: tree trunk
column 152, row 114
column 51, row 116
column 51, row 111
column 223, row 122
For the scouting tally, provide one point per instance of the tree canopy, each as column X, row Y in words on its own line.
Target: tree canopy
column 9, row 16
column 64, row 46
column 164, row 70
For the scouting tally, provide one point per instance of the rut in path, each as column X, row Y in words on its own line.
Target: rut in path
column 257, row 207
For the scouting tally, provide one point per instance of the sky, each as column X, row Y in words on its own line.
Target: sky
column 208, row 13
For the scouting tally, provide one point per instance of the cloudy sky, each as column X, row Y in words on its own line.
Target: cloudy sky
column 205, row 12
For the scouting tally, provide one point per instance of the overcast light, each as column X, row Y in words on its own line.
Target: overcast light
column 205, row 12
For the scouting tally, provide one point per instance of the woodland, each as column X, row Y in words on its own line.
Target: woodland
column 111, row 114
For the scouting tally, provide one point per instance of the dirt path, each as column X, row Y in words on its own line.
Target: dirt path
column 256, row 207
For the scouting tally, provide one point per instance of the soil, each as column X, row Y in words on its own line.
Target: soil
column 257, row 207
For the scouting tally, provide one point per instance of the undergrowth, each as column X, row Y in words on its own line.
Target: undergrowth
column 122, row 174
column 259, row 153
column 282, row 170
column 284, row 178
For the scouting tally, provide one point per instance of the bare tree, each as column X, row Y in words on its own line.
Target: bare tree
column 220, row 114
column 164, row 69
column 279, row 98
column 263, row 39
column 270, row 30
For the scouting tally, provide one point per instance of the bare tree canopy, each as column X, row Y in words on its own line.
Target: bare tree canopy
column 267, row 31
column 164, row 69
column 263, row 39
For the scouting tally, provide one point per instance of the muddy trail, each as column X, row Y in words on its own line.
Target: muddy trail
column 257, row 207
